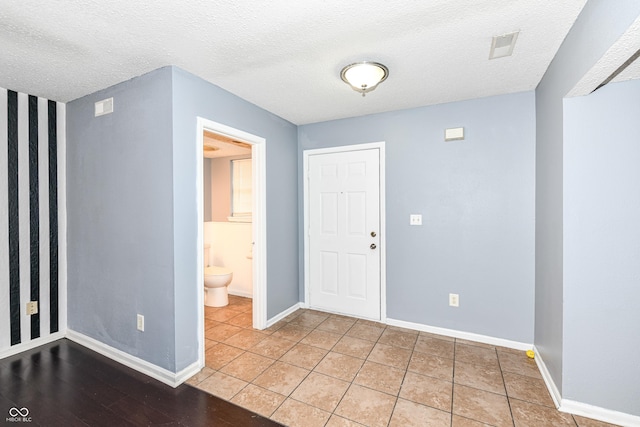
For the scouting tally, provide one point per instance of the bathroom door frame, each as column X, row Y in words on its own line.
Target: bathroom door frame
column 259, row 222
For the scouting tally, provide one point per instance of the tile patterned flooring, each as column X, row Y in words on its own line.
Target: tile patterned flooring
column 320, row 369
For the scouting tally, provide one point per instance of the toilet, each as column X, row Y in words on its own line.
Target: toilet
column 216, row 280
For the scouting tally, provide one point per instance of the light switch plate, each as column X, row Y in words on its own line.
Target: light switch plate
column 140, row 324
column 415, row 219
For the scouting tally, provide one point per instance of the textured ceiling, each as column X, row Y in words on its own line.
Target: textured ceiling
column 612, row 62
column 283, row 55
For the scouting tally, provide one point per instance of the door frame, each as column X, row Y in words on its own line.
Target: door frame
column 383, row 247
column 259, row 222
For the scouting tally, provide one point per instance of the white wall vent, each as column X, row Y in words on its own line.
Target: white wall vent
column 454, row 134
column 104, row 107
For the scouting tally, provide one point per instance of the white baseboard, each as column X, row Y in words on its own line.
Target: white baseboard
column 163, row 375
column 187, row 372
column 19, row 348
column 282, row 315
column 583, row 409
column 598, row 413
column 461, row 334
column 240, row 293
column 548, row 380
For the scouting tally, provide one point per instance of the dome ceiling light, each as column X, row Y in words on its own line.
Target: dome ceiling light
column 364, row 76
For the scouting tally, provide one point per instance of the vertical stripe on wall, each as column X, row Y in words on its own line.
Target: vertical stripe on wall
column 31, row 133
column 34, row 213
column 5, row 318
column 14, row 218
column 43, row 215
column 53, row 215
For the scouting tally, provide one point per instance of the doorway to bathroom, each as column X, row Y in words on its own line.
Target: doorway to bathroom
column 238, row 216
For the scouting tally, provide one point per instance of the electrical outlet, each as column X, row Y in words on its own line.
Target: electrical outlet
column 415, row 219
column 454, row 300
column 32, row 308
column 141, row 322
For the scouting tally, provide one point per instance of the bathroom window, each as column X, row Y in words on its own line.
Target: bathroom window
column 241, row 199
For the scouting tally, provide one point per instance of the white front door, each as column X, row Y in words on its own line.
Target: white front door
column 344, row 232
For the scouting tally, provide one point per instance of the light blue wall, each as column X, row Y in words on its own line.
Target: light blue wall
column 131, row 180
column 119, row 204
column 477, row 201
column 193, row 97
column 602, row 248
column 596, row 29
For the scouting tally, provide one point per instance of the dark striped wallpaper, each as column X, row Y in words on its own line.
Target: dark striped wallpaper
column 29, row 217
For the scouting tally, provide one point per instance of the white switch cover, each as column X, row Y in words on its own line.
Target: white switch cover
column 415, row 219
column 141, row 322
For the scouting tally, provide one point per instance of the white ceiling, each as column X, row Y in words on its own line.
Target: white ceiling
column 283, row 55
column 613, row 61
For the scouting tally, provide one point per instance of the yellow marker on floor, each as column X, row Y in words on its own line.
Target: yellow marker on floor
column 530, row 354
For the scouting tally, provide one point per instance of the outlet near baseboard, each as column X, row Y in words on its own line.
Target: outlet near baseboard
column 140, row 322
column 454, row 300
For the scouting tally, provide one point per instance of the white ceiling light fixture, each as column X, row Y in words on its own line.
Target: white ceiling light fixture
column 503, row 45
column 364, row 76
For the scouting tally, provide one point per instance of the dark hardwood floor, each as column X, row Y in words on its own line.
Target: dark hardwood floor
column 65, row 384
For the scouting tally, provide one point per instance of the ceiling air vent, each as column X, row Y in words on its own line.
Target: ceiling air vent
column 502, row 46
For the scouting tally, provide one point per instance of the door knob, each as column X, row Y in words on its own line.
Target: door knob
column 373, row 234
column 373, row 246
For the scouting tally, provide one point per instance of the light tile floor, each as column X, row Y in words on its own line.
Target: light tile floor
column 320, row 369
